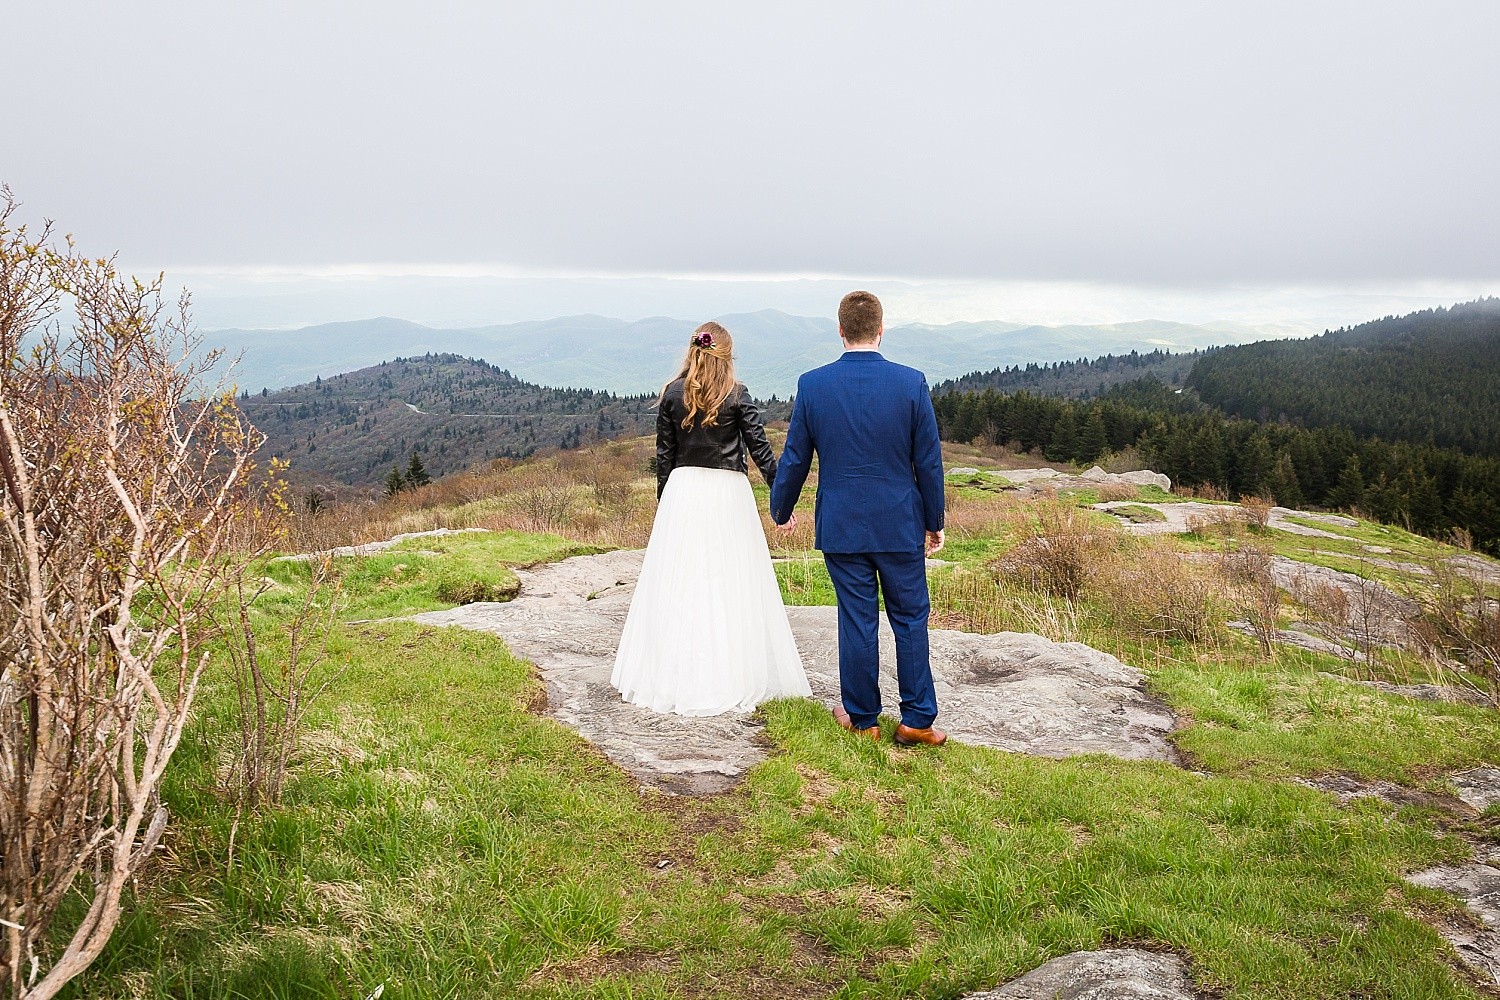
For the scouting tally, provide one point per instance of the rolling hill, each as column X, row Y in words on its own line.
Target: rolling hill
column 455, row 411
column 1430, row 377
column 1079, row 379
column 638, row 356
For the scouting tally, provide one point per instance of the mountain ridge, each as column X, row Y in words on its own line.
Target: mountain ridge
column 773, row 347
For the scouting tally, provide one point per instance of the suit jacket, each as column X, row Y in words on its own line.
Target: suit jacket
column 718, row 446
column 880, row 463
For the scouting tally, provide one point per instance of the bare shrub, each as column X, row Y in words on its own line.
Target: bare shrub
column 542, row 497
column 1252, row 591
column 1127, row 459
column 1458, row 623
column 120, row 488
column 1325, row 611
column 1159, row 592
column 276, row 691
column 1212, row 491
column 1222, row 522
column 1062, row 553
column 1257, row 512
column 1352, row 609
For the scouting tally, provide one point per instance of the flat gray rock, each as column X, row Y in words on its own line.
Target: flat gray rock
column 1477, row 567
column 1114, row 974
column 1013, row 691
column 1478, row 885
column 1478, row 786
column 1418, row 692
column 1180, row 517
column 1370, row 608
column 370, row 548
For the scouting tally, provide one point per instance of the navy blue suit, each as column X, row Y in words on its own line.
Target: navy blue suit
column 880, row 489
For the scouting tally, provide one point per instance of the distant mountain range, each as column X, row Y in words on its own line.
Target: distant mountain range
column 1081, row 379
column 627, row 357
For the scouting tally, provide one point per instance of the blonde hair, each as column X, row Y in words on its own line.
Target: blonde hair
column 707, row 374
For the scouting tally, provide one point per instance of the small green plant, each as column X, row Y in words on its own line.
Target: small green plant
column 471, row 591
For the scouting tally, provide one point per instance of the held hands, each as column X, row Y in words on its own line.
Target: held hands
column 934, row 543
column 785, row 530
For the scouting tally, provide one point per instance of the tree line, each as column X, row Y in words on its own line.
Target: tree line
column 1430, row 489
column 1082, row 378
column 1429, row 378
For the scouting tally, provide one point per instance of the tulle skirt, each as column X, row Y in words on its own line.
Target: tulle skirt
column 707, row 632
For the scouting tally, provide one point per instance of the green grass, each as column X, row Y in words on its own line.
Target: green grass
column 1138, row 513
column 422, row 574
column 442, row 840
column 804, row 580
column 980, row 484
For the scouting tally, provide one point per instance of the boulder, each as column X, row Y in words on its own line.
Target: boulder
column 1145, row 477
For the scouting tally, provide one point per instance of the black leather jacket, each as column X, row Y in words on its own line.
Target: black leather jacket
column 717, row 446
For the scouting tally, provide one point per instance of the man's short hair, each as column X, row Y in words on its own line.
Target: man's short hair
column 860, row 318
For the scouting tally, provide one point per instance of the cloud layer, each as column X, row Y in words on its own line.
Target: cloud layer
column 1172, row 143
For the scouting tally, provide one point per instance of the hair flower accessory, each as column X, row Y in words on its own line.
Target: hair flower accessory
column 704, row 340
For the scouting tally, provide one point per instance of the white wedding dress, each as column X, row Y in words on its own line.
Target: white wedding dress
column 707, row 632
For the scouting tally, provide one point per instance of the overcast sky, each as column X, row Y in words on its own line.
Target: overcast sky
column 1168, row 144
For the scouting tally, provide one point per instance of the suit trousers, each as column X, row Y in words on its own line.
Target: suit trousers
column 859, row 580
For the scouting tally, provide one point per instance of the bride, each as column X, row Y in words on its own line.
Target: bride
column 707, row 632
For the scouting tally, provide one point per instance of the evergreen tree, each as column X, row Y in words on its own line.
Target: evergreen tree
column 1252, row 465
column 1064, row 443
column 1206, row 455
column 416, row 475
column 1282, row 483
column 395, row 482
column 1349, row 491
column 1092, row 440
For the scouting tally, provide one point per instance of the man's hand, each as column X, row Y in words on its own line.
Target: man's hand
column 934, row 543
column 785, row 530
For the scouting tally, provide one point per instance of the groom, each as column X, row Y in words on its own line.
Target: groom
column 878, row 513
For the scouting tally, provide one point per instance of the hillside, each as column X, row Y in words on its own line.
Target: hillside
column 1431, row 377
column 1428, row 489
column 634, row 357
column 472, row 812
column 455, row 411
column 1078, row 379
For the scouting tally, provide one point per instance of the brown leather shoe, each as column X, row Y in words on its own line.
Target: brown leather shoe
column 842, row 717
column 908, row 737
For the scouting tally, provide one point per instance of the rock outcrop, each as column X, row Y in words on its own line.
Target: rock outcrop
column 370, row 548
column 1478, row 885
column 1011, row 691
column 1053, row 479
column 1113, row 974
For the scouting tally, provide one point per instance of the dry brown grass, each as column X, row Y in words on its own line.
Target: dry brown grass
column 1061, row 551
column 1117, row 491
column 1158, row 591
column 979, row 602
column 601, row 495
column 1252, row 590
column 1223, row 523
